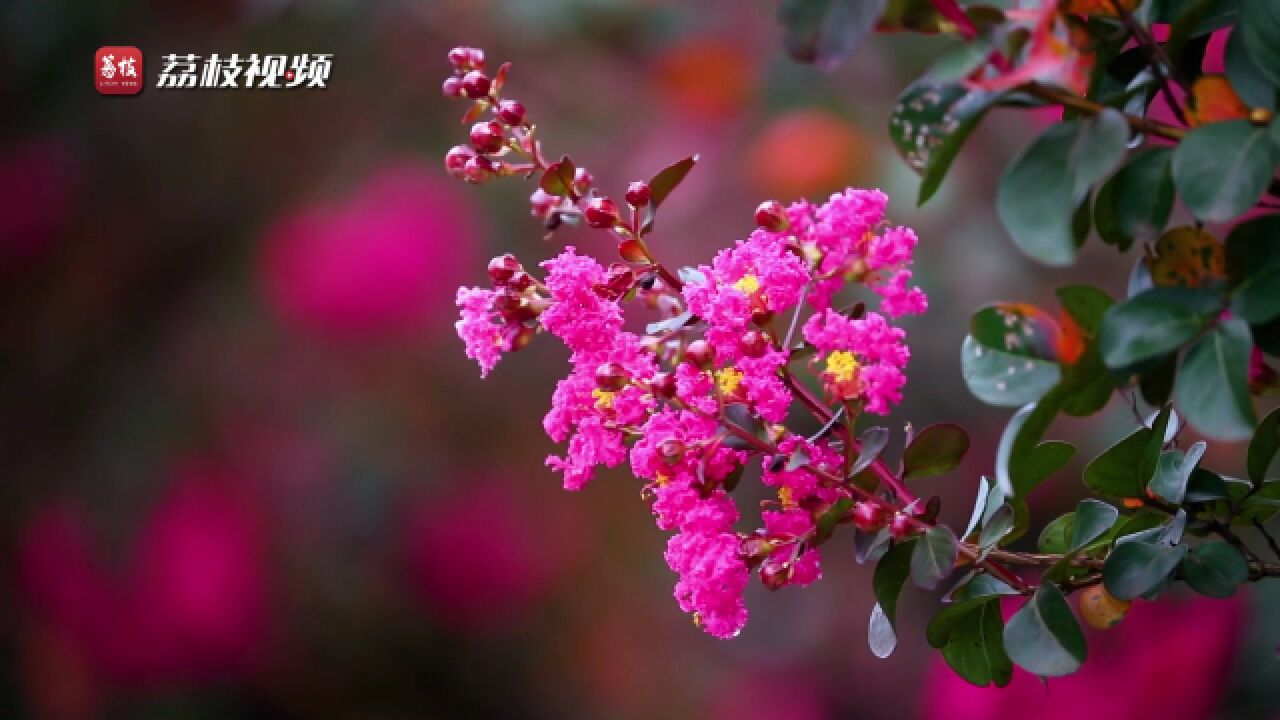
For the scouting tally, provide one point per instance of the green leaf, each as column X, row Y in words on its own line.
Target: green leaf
column 1055, row 538
column 1044, row 184
column 1017, row 329
column 1205, row 486
column 1139, row 199
column 1153, row 323
column 890, row 575
column 1114, row 473
column 1212, row 389
column 825, row 32
column 1245, row 77
column 1173, row 472
column 936, row 449
column 871, row 442
column 1257, row 299
column 1134, row 569
column 930, row 123
column 1260, row 25
column 558, row 178
column 975, row 648
column 1003, row 379
column 1155, row 445
column 1215, row 569
column 1043, row 637
column 1086, row 304
column 1221, row 169
column 934, row 557
column 1252, row 246
column 1092, row 518
column 1022, row 461
column 997, row 526
column 1263, row 447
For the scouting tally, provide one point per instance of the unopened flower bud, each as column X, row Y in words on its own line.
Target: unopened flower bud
column 771, row 216
column 452, row 87
column 611, row 376
column 502, row 267
column 701, row 354
column 582, row 180
column 520, row 281
column 775, row 574
column 869, row 517
column 601, row 213
column 488, row 136
column 466, row 58
column 663, row 385
column 478, row 170
column 511, row 112
column 455, row 161
column 761, row 316
column 631, row 250
column 901, row 527
column 638, row 194
column 476, row 84
column 522, row 338
column 671, row 450
column 754, row 343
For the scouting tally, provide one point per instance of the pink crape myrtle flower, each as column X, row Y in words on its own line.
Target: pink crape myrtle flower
column 662, row 401
column 373, row 265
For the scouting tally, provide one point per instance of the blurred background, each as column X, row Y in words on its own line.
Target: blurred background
column 248, row 472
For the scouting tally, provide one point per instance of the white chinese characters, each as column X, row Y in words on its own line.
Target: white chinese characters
column 251, row 72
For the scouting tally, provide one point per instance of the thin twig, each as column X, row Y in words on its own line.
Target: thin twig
column 1155, row 56
column 1075, row 102
column 1271, row 541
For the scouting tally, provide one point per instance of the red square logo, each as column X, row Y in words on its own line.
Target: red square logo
column 118, row 70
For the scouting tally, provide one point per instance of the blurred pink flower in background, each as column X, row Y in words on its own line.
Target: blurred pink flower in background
column 1167, row 659
column 380, row 264
column 191, row 602
column 484, row 553
column 38, row 181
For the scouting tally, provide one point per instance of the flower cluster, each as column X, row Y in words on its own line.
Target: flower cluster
column 705, row 395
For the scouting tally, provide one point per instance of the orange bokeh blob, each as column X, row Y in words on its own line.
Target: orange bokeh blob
column 705, row 77
column 805, row 153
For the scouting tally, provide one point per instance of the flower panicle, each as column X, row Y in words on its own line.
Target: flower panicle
column 706, row 391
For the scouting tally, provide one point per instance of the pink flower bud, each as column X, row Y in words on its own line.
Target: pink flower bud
column 638, row 194
column 452, row 87
column 601, row 213
column 455, row 161
column 476, row 84
column 511, row 112
column 701, row 354
column 466, row 58
column 869, row 517
column 770, row 215
column 611, row 376
column 478, row 170
column 487, row 137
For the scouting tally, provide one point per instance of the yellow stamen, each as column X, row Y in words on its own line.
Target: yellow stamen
column 786, row 497
column 662, row 479
column 748, row 284
column 728, row 380
column 604, row 398
column 842, row 366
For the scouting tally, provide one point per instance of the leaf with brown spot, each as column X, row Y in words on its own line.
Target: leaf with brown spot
column 1187, row 257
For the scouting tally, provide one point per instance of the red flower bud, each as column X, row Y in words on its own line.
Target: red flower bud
column 900, row 527
column 478, row 170
column 618, row 280
column 452, row 87
column 522, row 338
column 476, row 84
column 775, row 574
column 761, row 316
column 455, row 161
column 663, row 385
column 601, row 212
column 487, row 137
column 611, row 376
column 869, row 517
column 671, row 450
column 466, row 58
column 511, row 112
column 582, row 180
column 754, row 343
column 520, row 281
column 502, row 268
column 701, row 354
column 629, row 249
column 638, row 194
column 770, row 215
